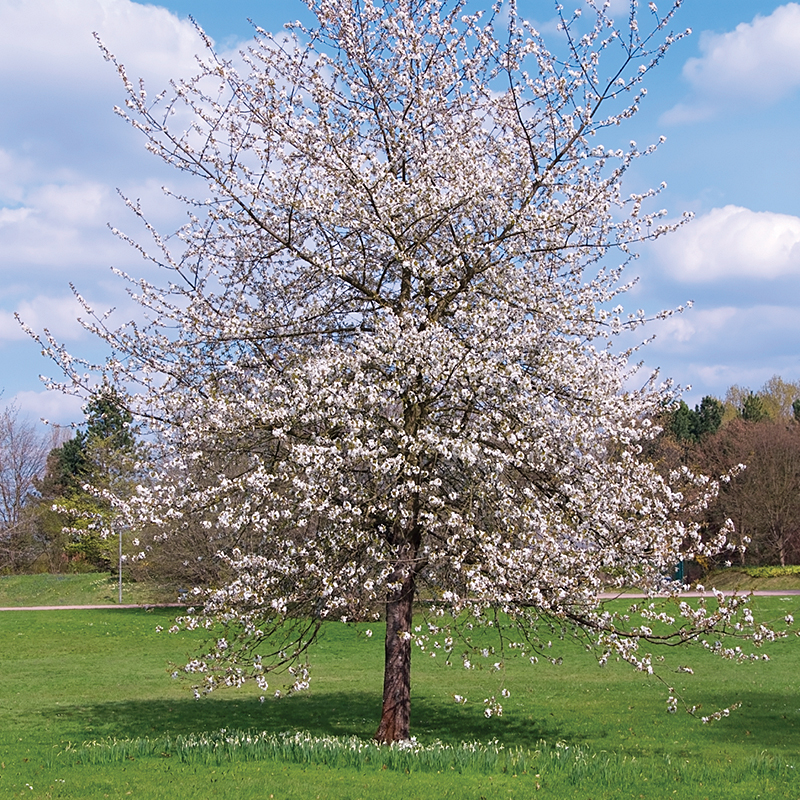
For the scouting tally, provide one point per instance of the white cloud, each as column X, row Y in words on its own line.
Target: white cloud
column 11, row 216
column 728, row 375
column 687, row 113
column 618, row 10
column 14, row 172
column 757, row 62
column 57, row 93
column 58, row 408
column 733, row 242
column 59, row 226
column 682, row 328
column 757, row 333
column 58, row 314
column 62, row 229
column 715, row 347
column 43, row 40
column 727, row 327
column 62, row 152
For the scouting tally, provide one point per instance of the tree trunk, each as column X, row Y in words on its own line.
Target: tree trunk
column 396, row 715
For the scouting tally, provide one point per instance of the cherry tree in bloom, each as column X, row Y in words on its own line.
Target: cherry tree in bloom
column 382, row 351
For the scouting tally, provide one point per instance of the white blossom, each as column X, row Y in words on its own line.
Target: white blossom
column 383, row 355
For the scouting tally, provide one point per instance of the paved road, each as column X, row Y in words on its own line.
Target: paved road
column 72, row 608
column 757, row 593
column 605, row 596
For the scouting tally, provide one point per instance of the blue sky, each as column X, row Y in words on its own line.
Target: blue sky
column 727, row 99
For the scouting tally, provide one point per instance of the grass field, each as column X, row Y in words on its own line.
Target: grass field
column 88, row 588
column 68, row 678
column 755, row 578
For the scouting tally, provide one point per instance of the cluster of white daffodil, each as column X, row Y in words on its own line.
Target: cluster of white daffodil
column 384, row 346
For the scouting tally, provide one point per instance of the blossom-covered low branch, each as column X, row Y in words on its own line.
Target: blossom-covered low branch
column 382, row 357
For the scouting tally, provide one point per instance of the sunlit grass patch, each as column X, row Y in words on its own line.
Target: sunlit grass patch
column 85, row 588
column 100, row 680
column 549, row 765
column 302, row 747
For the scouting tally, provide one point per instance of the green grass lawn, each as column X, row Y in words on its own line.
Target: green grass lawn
column 750, row 579
column 71, row 677
column 89, row 588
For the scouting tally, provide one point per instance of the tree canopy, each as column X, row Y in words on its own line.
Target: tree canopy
column 693, row 426
column 752, row 439
column 384, row 344
column 71, row 512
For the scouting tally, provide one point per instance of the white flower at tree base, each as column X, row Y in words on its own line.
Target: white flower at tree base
column 383, row 354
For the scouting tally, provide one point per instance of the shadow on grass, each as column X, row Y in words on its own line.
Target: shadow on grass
column 759, row 726
column 766, row 720
column 330, row 714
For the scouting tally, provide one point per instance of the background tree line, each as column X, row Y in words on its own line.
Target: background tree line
column 760, row 430
column 50, row 521
column 53, row 517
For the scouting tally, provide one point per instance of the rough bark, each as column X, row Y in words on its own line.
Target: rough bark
column 396, row 715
